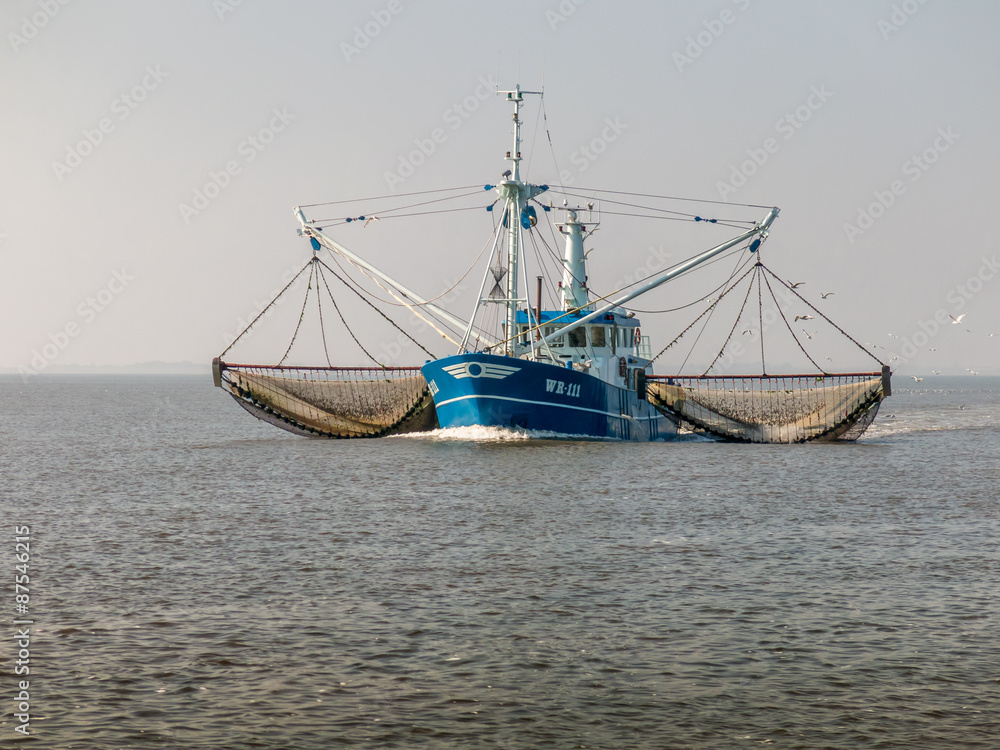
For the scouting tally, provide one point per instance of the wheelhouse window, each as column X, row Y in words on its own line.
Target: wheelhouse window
column 578, row 337
column 556, row 342
column 597, row 336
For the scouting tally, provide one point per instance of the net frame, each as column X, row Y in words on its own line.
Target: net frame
column 794, row 408
column 334, row 402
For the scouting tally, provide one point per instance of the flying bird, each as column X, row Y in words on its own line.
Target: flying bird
column 932, row 350
column 955, row 321
column 893, row 336
column 916, row 379
column 802, row 317
column 748, row 330
column 809, row 335
column 796, row 285
column 824, row 295
column 369, row 220
column 935, row 372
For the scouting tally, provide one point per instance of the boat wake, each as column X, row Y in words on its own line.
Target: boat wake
column 484, row 434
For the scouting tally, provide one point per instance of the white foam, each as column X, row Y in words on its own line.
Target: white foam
column 481, row 434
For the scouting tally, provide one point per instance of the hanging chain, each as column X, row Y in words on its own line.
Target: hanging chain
column 818, row 312
column 302, row 314
column 737, row 322
column 789, row 327
column 269, row 306
column 337, row 308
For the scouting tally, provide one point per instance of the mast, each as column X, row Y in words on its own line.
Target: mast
column 516, row 195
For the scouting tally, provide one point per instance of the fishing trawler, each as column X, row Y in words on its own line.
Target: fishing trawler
column 580, row 368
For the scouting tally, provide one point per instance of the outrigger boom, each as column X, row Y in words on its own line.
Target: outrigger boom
column 759, row 229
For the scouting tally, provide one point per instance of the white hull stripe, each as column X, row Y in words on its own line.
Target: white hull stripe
column 619, row 415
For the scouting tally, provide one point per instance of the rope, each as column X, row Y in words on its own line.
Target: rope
column 702, row 331
column 415, row 304
column 383, row 197
column 700, row 299
column 333, row 221
column 367, row 302
column 662, row 197
column 704, row 313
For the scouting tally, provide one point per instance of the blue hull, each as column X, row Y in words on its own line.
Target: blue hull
column 491, row 391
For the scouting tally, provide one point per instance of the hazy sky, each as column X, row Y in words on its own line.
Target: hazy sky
column 872, row 125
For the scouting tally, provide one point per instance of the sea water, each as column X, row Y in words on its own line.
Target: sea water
column 199, row 579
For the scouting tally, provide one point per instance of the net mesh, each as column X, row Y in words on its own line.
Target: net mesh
column 772, row 409
column 342, row 402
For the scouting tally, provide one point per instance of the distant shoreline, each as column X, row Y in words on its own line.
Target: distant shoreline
column 141, row 368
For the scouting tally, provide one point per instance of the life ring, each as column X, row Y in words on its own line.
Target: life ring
column 638, row 336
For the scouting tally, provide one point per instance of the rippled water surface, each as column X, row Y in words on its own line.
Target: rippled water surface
column 203, row 580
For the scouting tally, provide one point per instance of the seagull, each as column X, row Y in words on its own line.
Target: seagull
column 893, row 336
column 932, row 350
column 796, row 285
column 894, row 359
column 973, row 372
column 748, row 330
column 916, row 379
column 935, row 372
column 990, row 335
column 961, row 406
column 824, row 295
column 955, row 321
column 809, row 335
column 802, row 317
column 369, row 220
